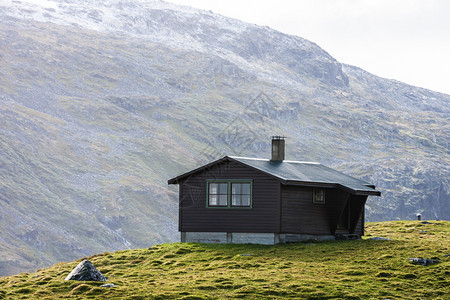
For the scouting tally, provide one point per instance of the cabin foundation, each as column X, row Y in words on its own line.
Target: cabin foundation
column 250, row 238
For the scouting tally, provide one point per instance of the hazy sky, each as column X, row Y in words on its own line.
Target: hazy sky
column 407, row 40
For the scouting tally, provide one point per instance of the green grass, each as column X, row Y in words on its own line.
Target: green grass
column 362, row 269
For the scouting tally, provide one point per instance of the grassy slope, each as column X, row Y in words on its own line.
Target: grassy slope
column 348, row 269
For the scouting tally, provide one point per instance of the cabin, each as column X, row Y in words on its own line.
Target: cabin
column 269, row 201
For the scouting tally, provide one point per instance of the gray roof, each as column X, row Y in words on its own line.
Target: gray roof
column 308, row 173
column 297, row 173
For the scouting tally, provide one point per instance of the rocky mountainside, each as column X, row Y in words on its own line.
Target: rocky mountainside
column 102, row 101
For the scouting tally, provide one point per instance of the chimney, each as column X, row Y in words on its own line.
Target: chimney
column 277, row 148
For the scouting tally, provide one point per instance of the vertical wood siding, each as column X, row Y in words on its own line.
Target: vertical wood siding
column 263, row 216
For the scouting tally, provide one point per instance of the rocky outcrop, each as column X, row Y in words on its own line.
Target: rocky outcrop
column 86, row 271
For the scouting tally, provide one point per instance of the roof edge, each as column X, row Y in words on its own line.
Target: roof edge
column 180, row 177
column 284, row 160
column 334, row 185
column 361, row 192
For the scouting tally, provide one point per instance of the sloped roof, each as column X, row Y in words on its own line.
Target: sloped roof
column 307, row 172
column 298, row 173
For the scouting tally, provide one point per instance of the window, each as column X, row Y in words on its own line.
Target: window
column 218, row 194
column 229, row 193
column 318, row 196
column 240, row 194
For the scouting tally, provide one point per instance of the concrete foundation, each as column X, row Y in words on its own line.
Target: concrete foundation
column 205, row 237
column 250, row 238
column 295, row 238
column 253, row 238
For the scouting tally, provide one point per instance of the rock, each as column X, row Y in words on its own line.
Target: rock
column 86, row 271
column 108, row 285
column 423, row 261
column 425, row 222
column 376, row 238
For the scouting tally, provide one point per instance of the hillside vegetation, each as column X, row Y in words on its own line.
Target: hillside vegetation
column 361, row 269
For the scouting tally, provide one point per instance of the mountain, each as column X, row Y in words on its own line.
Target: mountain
column 102, row 101
column 361, row 269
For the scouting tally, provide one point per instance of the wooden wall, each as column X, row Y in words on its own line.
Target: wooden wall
column 194, row 216
column 294, row 213
column 300, row 215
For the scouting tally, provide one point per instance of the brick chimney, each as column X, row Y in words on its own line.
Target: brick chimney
column 277, row 148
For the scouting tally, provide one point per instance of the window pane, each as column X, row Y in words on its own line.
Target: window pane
column 319, row 196
column 236, row 200
column 212, row 200
column 236, row 188
column 213, row 188
column 245, row 200
column 223, row 200
column 223, row 188
column 246, row 188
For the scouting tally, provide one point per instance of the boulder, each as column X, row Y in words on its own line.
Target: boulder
column 423, row 261
column 426, row 222
column 86, row 271
column 377, row 238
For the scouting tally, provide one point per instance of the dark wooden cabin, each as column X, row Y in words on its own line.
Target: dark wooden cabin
column 251, row 200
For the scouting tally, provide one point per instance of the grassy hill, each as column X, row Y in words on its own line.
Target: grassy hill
column 360, row 269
